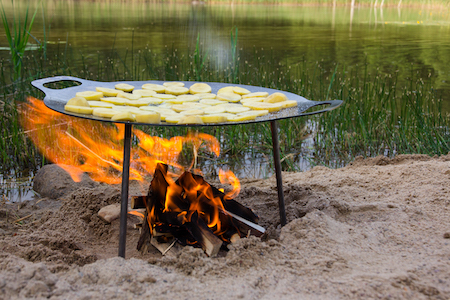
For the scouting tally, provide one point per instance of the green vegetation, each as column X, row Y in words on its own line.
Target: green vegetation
column 378, row 117
column 17, row 35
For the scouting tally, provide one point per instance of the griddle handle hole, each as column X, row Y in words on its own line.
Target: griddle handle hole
column 317, row 108
column 61, row 84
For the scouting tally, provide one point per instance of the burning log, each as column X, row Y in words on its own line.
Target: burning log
column 191, row 212
column 210, row 243
column 138, row 202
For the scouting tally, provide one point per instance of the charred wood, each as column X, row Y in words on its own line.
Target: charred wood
column 209, row 242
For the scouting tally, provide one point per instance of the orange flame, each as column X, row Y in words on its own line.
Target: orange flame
column 136, row 213
column 86, row 146
column 229, row 177
column 96, row 148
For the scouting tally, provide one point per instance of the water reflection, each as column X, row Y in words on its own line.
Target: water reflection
column 15, row 188
column 408, row 38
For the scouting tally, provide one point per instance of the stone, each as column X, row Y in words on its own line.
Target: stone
column 54, row 182
column 109, row 213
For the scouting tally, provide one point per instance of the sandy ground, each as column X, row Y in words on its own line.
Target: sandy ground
column 376, row 229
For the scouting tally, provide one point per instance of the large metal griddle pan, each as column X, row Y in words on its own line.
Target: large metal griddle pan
column 55, row 99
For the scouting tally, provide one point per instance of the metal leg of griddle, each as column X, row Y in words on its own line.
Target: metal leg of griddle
column 124, row 193
column 277, row 162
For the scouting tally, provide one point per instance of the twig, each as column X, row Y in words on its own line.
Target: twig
column 170, row 247
column 21, row 219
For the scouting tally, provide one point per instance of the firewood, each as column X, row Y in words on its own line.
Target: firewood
column 164, row 246
column 144, row 238
column 138, row 202
column 234, row 238
column 210, row 243
column 245, row 225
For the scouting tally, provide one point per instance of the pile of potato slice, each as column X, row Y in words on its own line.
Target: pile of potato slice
column 172, row 102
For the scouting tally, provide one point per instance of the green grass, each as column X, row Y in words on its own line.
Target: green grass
column 17, row 34
column 381, row 118
column 378, row 116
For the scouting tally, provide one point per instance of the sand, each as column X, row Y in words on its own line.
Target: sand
column 375, row 229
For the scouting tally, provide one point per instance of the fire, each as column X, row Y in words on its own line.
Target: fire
column 136, row 213
column 96, row 148
column 179, row 200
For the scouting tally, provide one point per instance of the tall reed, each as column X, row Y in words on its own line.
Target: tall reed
column 378, row 116
column 17, row 35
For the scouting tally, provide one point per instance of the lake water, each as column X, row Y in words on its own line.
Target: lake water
column 388, row 40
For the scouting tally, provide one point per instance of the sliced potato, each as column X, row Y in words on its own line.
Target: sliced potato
column 240, row 90
column 78, row 101
column 115, row 100
column 127, row 108
column 190, row 120
column 214, row 118
column 174, row 101
column 171, row 118
column 160, row 110
column 105, row 112
column 173, row 83
column 256, row 94
column 271, row 107
column 214, row 110
column 79, row 109
column 124, row 87
column 198, row 88
column 153, row 101
column 90, row 95
column 226, row 115
column 258, row 113
column 188, row 98
column 182, row 107
column 175, row 119
column 164, row 96
column 144, row 93
column 288, row 103
column 150, row 117
column 107, row 92
column 212, row 102
column 206, row 96
column 129, row 96
column 253, row 99
column 141, row 102
column 241, row 118
column 235, row 108
column 154, row 87
column 276, row 97
column 100, row 104
column 176, row 90
column 197, row 105
column 166, row 104
column 227, row 89
column 230, row 97
column 124, row 116
column 192, row 112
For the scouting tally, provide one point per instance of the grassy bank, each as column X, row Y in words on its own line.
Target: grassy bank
column 378, row 117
